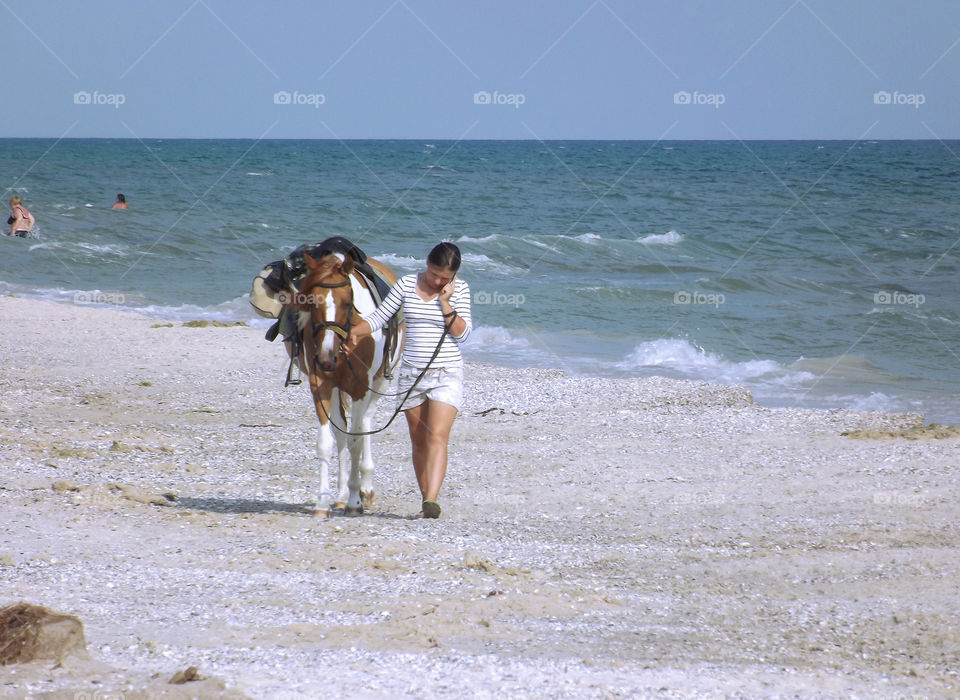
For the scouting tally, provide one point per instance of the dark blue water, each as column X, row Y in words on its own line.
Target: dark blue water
column 815, row 273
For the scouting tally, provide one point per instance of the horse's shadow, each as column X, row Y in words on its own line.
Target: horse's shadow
column 241, row 506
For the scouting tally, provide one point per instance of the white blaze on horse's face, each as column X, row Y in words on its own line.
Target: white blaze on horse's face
column 328, row 346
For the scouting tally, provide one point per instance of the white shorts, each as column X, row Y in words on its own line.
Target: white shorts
column 443, row 384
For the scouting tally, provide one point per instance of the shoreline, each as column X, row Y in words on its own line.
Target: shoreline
column 936, row 407
column 599, row 536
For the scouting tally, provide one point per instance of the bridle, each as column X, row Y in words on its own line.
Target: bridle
column 341, row 330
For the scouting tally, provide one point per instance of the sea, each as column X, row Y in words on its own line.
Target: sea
column 816, row 274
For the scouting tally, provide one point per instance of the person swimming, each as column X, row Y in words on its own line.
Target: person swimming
column 121, row 203
column 21, row 220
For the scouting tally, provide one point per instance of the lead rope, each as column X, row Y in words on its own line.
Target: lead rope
column 409, row 391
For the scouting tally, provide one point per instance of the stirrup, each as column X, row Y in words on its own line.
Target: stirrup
column 290, row 381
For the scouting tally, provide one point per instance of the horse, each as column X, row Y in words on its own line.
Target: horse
column 329, row 297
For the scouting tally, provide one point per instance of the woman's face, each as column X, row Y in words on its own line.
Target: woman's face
column 438, row 277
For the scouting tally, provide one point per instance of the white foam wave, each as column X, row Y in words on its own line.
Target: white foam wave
column 687, row 359
column 589, row 237
column 404, row 263
column 484, row 239
column 877, row 401
column 237, row 309
column 479, row 260
column 538, row 244
column 494, row 338
column 669, row 238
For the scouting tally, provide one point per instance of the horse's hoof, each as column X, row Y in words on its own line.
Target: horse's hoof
column 340, row 505
column 323, row 513
column 353, row 512
column 367, row 498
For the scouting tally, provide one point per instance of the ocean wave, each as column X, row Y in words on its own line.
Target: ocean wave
column 669, row 238
column 496, row 338
column 846, row 368
column 583, row 237
column 540, row 244
column 484, row 239
column 404, row 263
column 690, row 360
column 236, row 309
column 87, row 249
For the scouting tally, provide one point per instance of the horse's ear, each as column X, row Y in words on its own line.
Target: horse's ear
column 346, row 267
column 311, row 263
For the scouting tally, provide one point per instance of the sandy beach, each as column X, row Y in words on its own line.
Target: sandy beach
column 600, row 537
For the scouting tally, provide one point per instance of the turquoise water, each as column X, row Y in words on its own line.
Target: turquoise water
column 816, row 274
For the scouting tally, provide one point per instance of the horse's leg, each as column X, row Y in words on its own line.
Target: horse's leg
column 337, row 413
column 325, row 444
column 359, row 452
column 367, row 466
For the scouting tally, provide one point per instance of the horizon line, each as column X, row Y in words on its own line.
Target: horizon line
column 456, row 140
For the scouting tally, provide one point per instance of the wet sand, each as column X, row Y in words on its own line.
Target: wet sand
column 600, row 537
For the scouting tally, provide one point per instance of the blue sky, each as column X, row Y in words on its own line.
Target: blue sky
column 496, row 69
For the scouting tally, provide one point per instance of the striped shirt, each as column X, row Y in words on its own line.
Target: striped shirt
column 425, row 322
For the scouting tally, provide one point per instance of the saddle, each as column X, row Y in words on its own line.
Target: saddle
column 283, row 276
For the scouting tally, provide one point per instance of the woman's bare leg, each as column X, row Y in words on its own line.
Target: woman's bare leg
column 429, row 425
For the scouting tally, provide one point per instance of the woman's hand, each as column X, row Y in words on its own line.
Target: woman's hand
column 357, row 331
column 447, row 291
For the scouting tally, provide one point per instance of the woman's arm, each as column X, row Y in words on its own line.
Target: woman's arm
column 376, row 320
column 456, row 301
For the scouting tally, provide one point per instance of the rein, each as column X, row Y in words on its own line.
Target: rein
column 406, row 394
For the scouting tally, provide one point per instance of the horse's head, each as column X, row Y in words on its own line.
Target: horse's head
column 325, row 301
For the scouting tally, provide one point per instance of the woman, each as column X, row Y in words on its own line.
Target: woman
column 21, row 220
column 436, row 305
column 121, row 203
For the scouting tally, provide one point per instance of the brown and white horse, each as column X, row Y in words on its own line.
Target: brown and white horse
column 331, row 297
